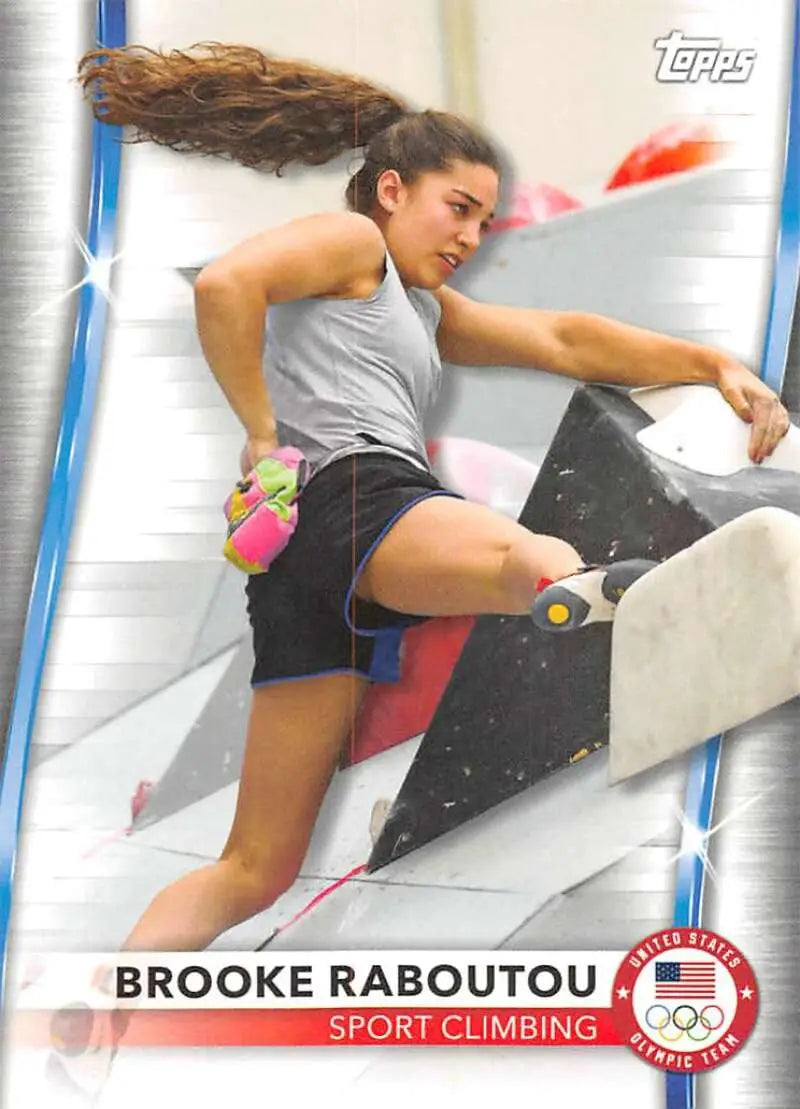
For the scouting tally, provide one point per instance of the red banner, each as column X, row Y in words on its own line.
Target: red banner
column 467, row 1027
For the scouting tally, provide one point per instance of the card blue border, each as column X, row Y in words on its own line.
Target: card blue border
column 705, row 762
column 68, row 465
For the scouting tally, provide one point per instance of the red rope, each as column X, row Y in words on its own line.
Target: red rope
column 315, row 900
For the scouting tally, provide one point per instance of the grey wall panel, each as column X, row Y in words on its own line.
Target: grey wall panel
column 226, row 619
column 611, row 911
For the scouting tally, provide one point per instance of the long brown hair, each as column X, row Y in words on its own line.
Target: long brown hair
column 268, row 113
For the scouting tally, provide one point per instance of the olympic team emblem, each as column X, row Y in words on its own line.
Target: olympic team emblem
column 685, row 999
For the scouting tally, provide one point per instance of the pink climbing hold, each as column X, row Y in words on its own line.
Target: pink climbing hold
column 532, row 204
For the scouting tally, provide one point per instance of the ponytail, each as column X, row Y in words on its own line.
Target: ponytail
column 236, row 102
column 268, row 113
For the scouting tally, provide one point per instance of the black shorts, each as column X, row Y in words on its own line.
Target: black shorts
column 305, row 617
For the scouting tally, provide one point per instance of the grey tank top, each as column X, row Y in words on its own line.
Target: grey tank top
column 344, row 375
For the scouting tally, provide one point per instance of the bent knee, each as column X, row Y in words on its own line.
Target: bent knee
column 262, row 876
column 527, row 559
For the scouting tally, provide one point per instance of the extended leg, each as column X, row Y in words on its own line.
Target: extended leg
column 295, row 736
column 447, row 557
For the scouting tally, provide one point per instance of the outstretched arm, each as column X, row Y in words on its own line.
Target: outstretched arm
column 594, row 348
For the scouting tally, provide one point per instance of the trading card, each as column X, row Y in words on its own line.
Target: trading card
column 400, row 624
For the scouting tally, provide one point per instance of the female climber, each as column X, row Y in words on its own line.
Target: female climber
column 357, row 317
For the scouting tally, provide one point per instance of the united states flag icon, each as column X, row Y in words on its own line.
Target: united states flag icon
column 686, row 980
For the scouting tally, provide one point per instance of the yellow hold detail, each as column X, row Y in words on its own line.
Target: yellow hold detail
column 584, row 751
column 558, row 614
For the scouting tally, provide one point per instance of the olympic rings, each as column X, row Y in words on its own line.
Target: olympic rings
column 698, row 1038
column 685, row 1024
column 661, row 1009
column 670, row 1039
column 685, row 1019
column 705, row 1020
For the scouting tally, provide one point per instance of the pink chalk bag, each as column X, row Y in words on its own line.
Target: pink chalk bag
column 262, row 510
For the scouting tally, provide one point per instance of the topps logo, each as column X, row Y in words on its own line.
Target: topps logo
column 685, row 59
